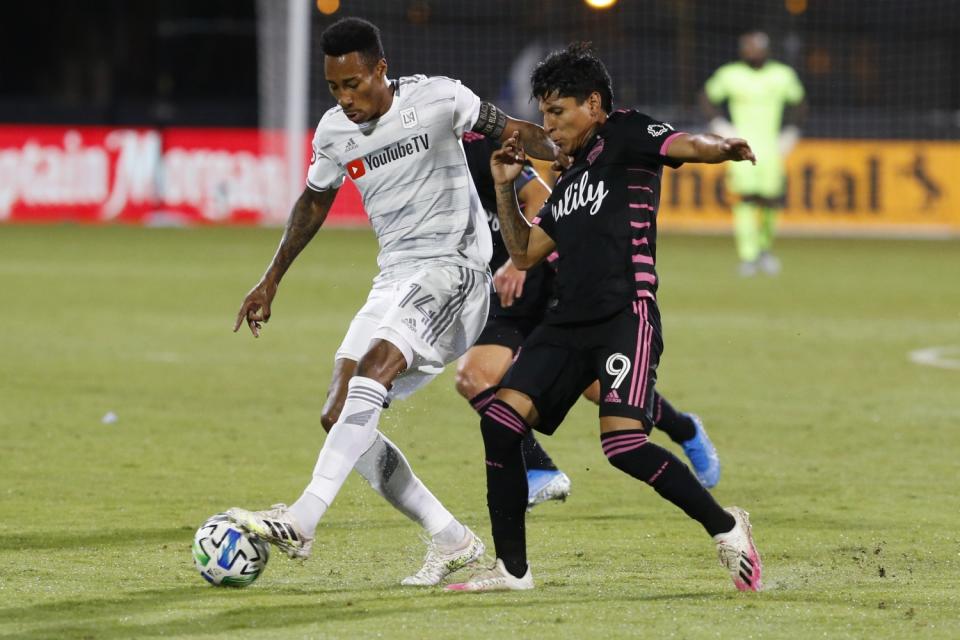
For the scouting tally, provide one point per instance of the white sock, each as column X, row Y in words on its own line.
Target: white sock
column 348, row 439
column 451, row 536
column 388, row 472
column 307, row 510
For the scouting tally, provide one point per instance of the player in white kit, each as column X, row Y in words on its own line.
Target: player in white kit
column 399, row 141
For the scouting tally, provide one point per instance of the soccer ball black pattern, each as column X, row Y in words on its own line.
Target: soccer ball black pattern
column 228, row 556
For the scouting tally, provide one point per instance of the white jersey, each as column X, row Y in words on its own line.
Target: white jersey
column 411, row 171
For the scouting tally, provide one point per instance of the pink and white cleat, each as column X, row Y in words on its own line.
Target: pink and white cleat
column 496, row 578
column 738, row 554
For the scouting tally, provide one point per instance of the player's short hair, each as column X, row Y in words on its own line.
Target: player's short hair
column 574, row 72
column 353, row 34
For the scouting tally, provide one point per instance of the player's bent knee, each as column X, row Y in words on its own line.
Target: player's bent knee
column 469, row 384
column 383, row 362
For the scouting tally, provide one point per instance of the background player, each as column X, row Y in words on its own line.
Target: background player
column 756, row 91
column 519, row 306
column 605, row 325
column 399, row 142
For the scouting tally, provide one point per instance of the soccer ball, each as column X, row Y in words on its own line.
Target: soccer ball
column 226, row 555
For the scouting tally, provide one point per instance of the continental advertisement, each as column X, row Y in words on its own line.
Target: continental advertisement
column 835, row 186
column 186, row 176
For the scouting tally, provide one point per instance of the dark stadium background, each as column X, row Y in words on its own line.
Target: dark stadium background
column 883, row 69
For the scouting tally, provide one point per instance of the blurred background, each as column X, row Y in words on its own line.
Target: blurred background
column 185, row 112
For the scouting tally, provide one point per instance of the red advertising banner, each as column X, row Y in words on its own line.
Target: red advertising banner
column 238, row 176
column 150, row 176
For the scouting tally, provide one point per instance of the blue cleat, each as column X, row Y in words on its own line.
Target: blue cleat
column 544, row 485
column 702, row 454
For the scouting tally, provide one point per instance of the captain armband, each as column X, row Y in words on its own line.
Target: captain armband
column 491, row 121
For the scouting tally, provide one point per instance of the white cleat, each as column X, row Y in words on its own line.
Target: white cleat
column 738, row 554
column 277, row 526
column 439, row 563
column 544, row 486
column 496, row 578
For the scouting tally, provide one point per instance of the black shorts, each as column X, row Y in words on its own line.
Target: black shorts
column 508, row 331
column 557, row 363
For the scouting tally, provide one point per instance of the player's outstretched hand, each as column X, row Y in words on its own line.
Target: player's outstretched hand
column 507, row 161
column 255, row 309
column 738, row 149
column 508, row 283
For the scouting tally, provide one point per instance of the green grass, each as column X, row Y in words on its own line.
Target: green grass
column 845, row 453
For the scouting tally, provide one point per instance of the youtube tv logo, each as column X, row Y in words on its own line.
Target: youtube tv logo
column 355, row 168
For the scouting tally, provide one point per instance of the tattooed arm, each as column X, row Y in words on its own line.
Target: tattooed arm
column 305, row 220
column 527, row 244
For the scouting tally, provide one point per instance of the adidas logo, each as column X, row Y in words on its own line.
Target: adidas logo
column 613, row 397
column 410, row 323
column 351, row 145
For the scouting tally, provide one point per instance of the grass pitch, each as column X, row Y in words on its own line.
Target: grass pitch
column 845, row 452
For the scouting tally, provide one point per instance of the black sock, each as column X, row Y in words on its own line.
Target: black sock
column 503, row 430
column 535, row 456
column 632, row 453
column 677, row 425
column 480, row 401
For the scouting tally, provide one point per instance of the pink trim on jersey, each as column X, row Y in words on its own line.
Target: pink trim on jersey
column 666, row 143
column 639, row 257
column 641, row 206
column 639, row 225
column 639, row 186
column 640, row 241
column 645, row 294
column 535, row 220
column 649, row 278
column 653, row 173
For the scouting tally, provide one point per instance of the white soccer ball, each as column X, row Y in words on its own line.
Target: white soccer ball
column 226, row 555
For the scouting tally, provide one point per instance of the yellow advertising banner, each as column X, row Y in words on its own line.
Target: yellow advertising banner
column 843, row 186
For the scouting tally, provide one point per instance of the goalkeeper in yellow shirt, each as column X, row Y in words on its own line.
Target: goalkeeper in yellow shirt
column 757, row 91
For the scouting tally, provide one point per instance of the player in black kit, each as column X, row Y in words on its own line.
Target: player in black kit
column 516, row 310
column 517, row 307
column 603, row 323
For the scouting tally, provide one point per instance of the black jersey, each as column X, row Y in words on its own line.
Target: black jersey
column 538, row 283
column 602, row 215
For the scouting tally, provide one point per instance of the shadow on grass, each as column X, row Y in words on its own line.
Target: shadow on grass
column 94, row 539
column 206, row 611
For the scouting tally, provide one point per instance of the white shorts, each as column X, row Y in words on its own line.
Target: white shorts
column 432, row 316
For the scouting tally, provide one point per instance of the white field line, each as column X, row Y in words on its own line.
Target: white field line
column 942, row 357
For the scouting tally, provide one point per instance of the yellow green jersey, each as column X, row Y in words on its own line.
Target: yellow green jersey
column 756, row 99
